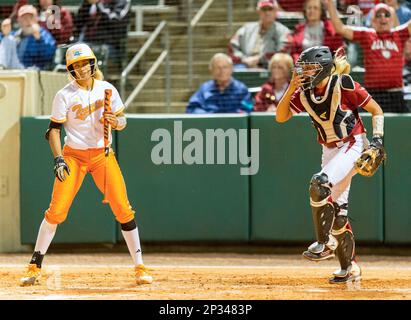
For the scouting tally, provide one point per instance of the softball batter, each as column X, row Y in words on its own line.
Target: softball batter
column 79, row 108
column 322, row 87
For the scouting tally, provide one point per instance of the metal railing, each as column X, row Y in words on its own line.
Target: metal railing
column 192, row 23
column 164, row 56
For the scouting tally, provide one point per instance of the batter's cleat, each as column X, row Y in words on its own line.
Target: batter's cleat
column 352, row 274
column 142, row 275
column 32, row 276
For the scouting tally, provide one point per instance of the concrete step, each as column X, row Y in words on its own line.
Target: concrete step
column 180, row 54
column 178, row 67
column 152, row 95
column 157, row 107
column 158, row 81
column 180, row 41
column 202, row 28
column 240, row 14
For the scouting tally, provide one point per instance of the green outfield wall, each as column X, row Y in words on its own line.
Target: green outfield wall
column 397, row 180
column 180, row 201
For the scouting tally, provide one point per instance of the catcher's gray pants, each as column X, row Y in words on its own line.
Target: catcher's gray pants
column 338, row 165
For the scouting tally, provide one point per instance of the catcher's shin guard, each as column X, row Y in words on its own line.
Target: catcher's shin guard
column 345, row 251
column 323, row 213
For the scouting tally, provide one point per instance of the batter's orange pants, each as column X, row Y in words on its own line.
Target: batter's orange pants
column 80, row 163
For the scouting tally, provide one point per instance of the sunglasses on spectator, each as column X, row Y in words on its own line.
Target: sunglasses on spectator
column 267, row 9
column 383, row 14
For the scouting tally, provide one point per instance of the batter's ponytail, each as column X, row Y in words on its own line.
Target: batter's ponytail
column 341, row 64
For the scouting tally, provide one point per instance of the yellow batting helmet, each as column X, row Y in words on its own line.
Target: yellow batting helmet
column 79, row 52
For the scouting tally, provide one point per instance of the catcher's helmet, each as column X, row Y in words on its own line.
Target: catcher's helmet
column 320, row 59
column 79, row 52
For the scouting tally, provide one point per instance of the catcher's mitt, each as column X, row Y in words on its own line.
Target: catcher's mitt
column 371, row 158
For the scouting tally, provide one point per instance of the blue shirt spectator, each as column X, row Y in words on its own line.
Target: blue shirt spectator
column 35, row 45
column 36, row 53
column 223, row 94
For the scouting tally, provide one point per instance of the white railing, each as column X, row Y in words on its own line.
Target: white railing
column 164, row 56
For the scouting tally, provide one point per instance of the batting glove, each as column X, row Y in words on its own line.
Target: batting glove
column 59, row 166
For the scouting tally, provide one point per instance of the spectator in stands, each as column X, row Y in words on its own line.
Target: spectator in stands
column 280, row 66
column 104, row 22
column 8, row 48
column 383, row 50
column 35, row 45
column 403, row 13
column 59, row 24
column 407, row 65
column 317, row 30
column 223, row 94
column 254, row 44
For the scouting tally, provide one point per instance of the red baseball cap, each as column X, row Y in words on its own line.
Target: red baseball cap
column 266, row 3
column 380, row 6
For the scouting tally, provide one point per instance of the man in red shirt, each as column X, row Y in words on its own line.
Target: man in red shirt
column 383, row 48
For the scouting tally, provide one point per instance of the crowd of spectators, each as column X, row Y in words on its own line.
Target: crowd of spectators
column 382, row 35
column 31, row 34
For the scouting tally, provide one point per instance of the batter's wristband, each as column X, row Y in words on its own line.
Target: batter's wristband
column 121, row 123
column 378, row 125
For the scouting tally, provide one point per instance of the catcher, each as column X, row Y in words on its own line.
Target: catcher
column 321, row 86
column 79, row 108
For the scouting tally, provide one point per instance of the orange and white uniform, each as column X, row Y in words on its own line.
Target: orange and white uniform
column 81, row 113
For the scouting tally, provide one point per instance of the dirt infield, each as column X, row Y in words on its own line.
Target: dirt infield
column 203, row 276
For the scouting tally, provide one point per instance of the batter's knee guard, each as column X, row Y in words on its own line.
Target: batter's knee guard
column 346, row 245
column 323, row 212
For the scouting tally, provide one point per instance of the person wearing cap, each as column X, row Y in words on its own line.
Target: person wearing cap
column 403, row 13
column 316, row 30
column 383, row 52
column 255, row 43
column 35, row 45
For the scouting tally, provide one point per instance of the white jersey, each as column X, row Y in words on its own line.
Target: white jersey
column 81, row 113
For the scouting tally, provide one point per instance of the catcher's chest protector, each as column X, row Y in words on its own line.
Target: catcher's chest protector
column 331, row 122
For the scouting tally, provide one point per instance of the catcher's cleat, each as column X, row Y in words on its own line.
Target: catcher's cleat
column 352, row 274
column 142, row 275
column 32, row 276
column 327, row 254
column 320, row 251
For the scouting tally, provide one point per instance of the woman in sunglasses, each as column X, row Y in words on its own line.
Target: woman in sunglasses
column 383, row 51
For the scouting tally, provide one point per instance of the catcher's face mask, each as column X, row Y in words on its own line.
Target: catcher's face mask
column 310, row 72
